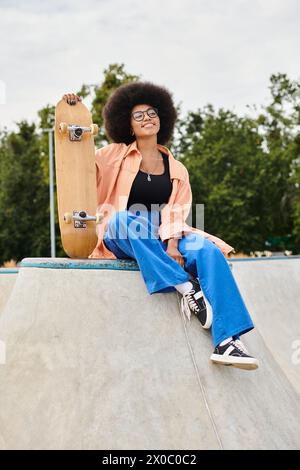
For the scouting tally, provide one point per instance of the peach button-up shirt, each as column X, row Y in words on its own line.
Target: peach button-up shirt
column 116, row 168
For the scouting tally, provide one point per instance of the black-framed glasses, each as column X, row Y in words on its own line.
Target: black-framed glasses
column 139, row 115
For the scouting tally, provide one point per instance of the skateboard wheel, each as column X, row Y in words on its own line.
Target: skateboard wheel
column 99, row 218
column 63, row 127
column 68, row 217
column 94, row 129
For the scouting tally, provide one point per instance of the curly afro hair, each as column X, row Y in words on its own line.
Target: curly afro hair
column 117, row 111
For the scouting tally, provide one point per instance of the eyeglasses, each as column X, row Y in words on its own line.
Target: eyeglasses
column 139, row 115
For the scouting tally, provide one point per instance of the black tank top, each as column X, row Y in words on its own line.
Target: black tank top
column 157, row 191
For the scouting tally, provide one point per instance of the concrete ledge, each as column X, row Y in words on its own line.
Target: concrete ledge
column 9, row 270
column 67, row 263
column 265, row 258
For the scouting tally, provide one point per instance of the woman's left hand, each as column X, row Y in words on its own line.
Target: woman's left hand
column 175, row 254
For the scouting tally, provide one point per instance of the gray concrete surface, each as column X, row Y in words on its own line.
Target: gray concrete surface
column 271, row 291
column 7, row 282
column 94, row 362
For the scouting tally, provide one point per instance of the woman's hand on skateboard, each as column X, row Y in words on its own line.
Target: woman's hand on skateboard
column 71, row 98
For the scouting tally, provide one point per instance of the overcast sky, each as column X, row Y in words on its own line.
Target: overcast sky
column 205, row 51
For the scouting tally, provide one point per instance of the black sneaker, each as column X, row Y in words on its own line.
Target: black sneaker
column 234, row 354
column 193, row 302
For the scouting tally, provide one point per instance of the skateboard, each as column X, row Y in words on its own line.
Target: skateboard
column 76, row 178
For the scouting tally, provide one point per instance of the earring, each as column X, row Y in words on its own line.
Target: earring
column 132, row 133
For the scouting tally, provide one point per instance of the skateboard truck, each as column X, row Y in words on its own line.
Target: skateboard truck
column 80, row 218
column 76, row 132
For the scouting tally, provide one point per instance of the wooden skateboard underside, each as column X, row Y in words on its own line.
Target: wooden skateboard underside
column 75, row 179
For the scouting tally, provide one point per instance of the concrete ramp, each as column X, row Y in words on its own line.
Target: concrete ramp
column 94, row 362
column 7, row 281
column 271, row 288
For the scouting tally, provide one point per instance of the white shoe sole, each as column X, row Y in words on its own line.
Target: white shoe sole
column 235, row 361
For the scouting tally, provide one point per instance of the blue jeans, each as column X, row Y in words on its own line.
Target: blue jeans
column 135, row 235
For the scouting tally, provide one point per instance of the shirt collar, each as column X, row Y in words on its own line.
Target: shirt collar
column 176, row 171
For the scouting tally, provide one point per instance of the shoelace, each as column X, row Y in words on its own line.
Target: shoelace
column 188, row 303
column 240, row 346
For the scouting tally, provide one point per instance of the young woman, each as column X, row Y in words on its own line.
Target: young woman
column 145, row 195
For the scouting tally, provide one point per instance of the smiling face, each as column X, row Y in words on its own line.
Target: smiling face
column 149, row 125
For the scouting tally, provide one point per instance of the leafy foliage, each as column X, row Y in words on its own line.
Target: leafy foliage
column 245, row 170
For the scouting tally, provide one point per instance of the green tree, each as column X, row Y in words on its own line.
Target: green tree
column 24, row 174
column 222, row 154
column 23, row 196
column 114, row 76
column 279, row 127
column 246, row 170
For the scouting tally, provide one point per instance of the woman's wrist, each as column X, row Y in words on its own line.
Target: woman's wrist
column 173, row 242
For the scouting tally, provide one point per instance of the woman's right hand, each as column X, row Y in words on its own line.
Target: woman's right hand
column 174, row 253
column 71, row 98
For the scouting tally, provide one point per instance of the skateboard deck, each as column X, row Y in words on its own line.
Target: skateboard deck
column 76, row 178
